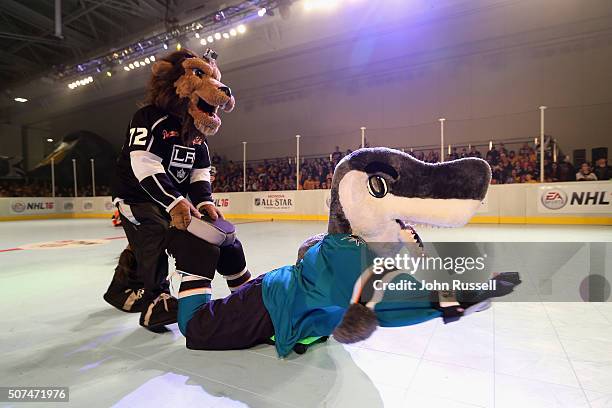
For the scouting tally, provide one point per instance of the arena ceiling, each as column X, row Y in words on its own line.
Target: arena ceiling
column 29, row 46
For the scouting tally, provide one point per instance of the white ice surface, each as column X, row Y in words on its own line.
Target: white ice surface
column 57, row 330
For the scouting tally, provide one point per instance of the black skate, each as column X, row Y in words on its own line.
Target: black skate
column 160, row 312
column 123, row 293
column 124, row 298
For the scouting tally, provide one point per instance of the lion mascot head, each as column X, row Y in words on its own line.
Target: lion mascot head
column 189, row 86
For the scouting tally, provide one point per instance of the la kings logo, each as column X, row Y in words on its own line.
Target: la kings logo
column 181, row 162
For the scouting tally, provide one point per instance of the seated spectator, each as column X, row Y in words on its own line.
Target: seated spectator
column 551, row 173
column 602, row 170
column 493, row 154
column 585, row 173
column 473, row 152
column 311, row 183
column 513, row 157
column 336, row 155
column 566, row 170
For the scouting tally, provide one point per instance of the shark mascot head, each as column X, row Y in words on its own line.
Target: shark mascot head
column 381, row 195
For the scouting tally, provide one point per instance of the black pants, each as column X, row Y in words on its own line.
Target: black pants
column 147, row 238
column 236, row 322
column 149, row 235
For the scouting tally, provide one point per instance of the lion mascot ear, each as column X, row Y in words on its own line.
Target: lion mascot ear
column 161, row 68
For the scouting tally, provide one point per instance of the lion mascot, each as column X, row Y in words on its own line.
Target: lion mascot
column 162, row 187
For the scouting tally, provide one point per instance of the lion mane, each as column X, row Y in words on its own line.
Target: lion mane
column 188, row 87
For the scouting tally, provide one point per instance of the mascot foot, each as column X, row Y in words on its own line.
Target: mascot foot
column 160, row 312
column 124, row 298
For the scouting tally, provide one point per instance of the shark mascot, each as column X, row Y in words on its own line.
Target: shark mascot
column 378, row 195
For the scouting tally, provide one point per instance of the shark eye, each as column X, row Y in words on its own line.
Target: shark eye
column 198, row 72
column 377, row 186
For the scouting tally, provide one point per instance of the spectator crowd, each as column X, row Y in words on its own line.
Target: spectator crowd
column 38, row 188
column 508, row 167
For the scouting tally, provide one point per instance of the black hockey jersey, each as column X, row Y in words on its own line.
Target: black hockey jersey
column 154, row 166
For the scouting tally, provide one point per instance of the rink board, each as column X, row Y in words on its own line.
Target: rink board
column 579, row 203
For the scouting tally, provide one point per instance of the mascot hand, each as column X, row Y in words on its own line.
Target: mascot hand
column 211, row 212
column 181, row 214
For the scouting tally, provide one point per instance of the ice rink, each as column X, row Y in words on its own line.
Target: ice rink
column 57, row 330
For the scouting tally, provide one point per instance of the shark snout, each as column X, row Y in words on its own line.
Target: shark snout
column 461, row 179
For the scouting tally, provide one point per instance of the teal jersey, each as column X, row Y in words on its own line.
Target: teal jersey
column 311, row 298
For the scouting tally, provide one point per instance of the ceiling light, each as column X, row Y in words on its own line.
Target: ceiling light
column 241, row 29
column 203, row 41
column 217, row 36
column 233, row 32
column 19, row 99
column 226, row 35
column 262, row 12
column 210, row 39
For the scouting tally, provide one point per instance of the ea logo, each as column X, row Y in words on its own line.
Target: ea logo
column 18, row 207
column 554, row 199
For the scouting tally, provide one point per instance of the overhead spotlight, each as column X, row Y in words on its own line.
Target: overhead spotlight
column 126, row 68
column 147, row 60
column 226, row 35
column 178, row 46
column 262, row 12
column 203, row 41
column 165, row 46
column 241, row 29
column 233, row 32
column 50, row 140
column 197, row 35
column 142, row 63
column 210, row 39
column 136, row 64
column 99, row 69
column 152, row 57
column 131, row 66
column 21, row 100
column 217, row 36
column 109, row 74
